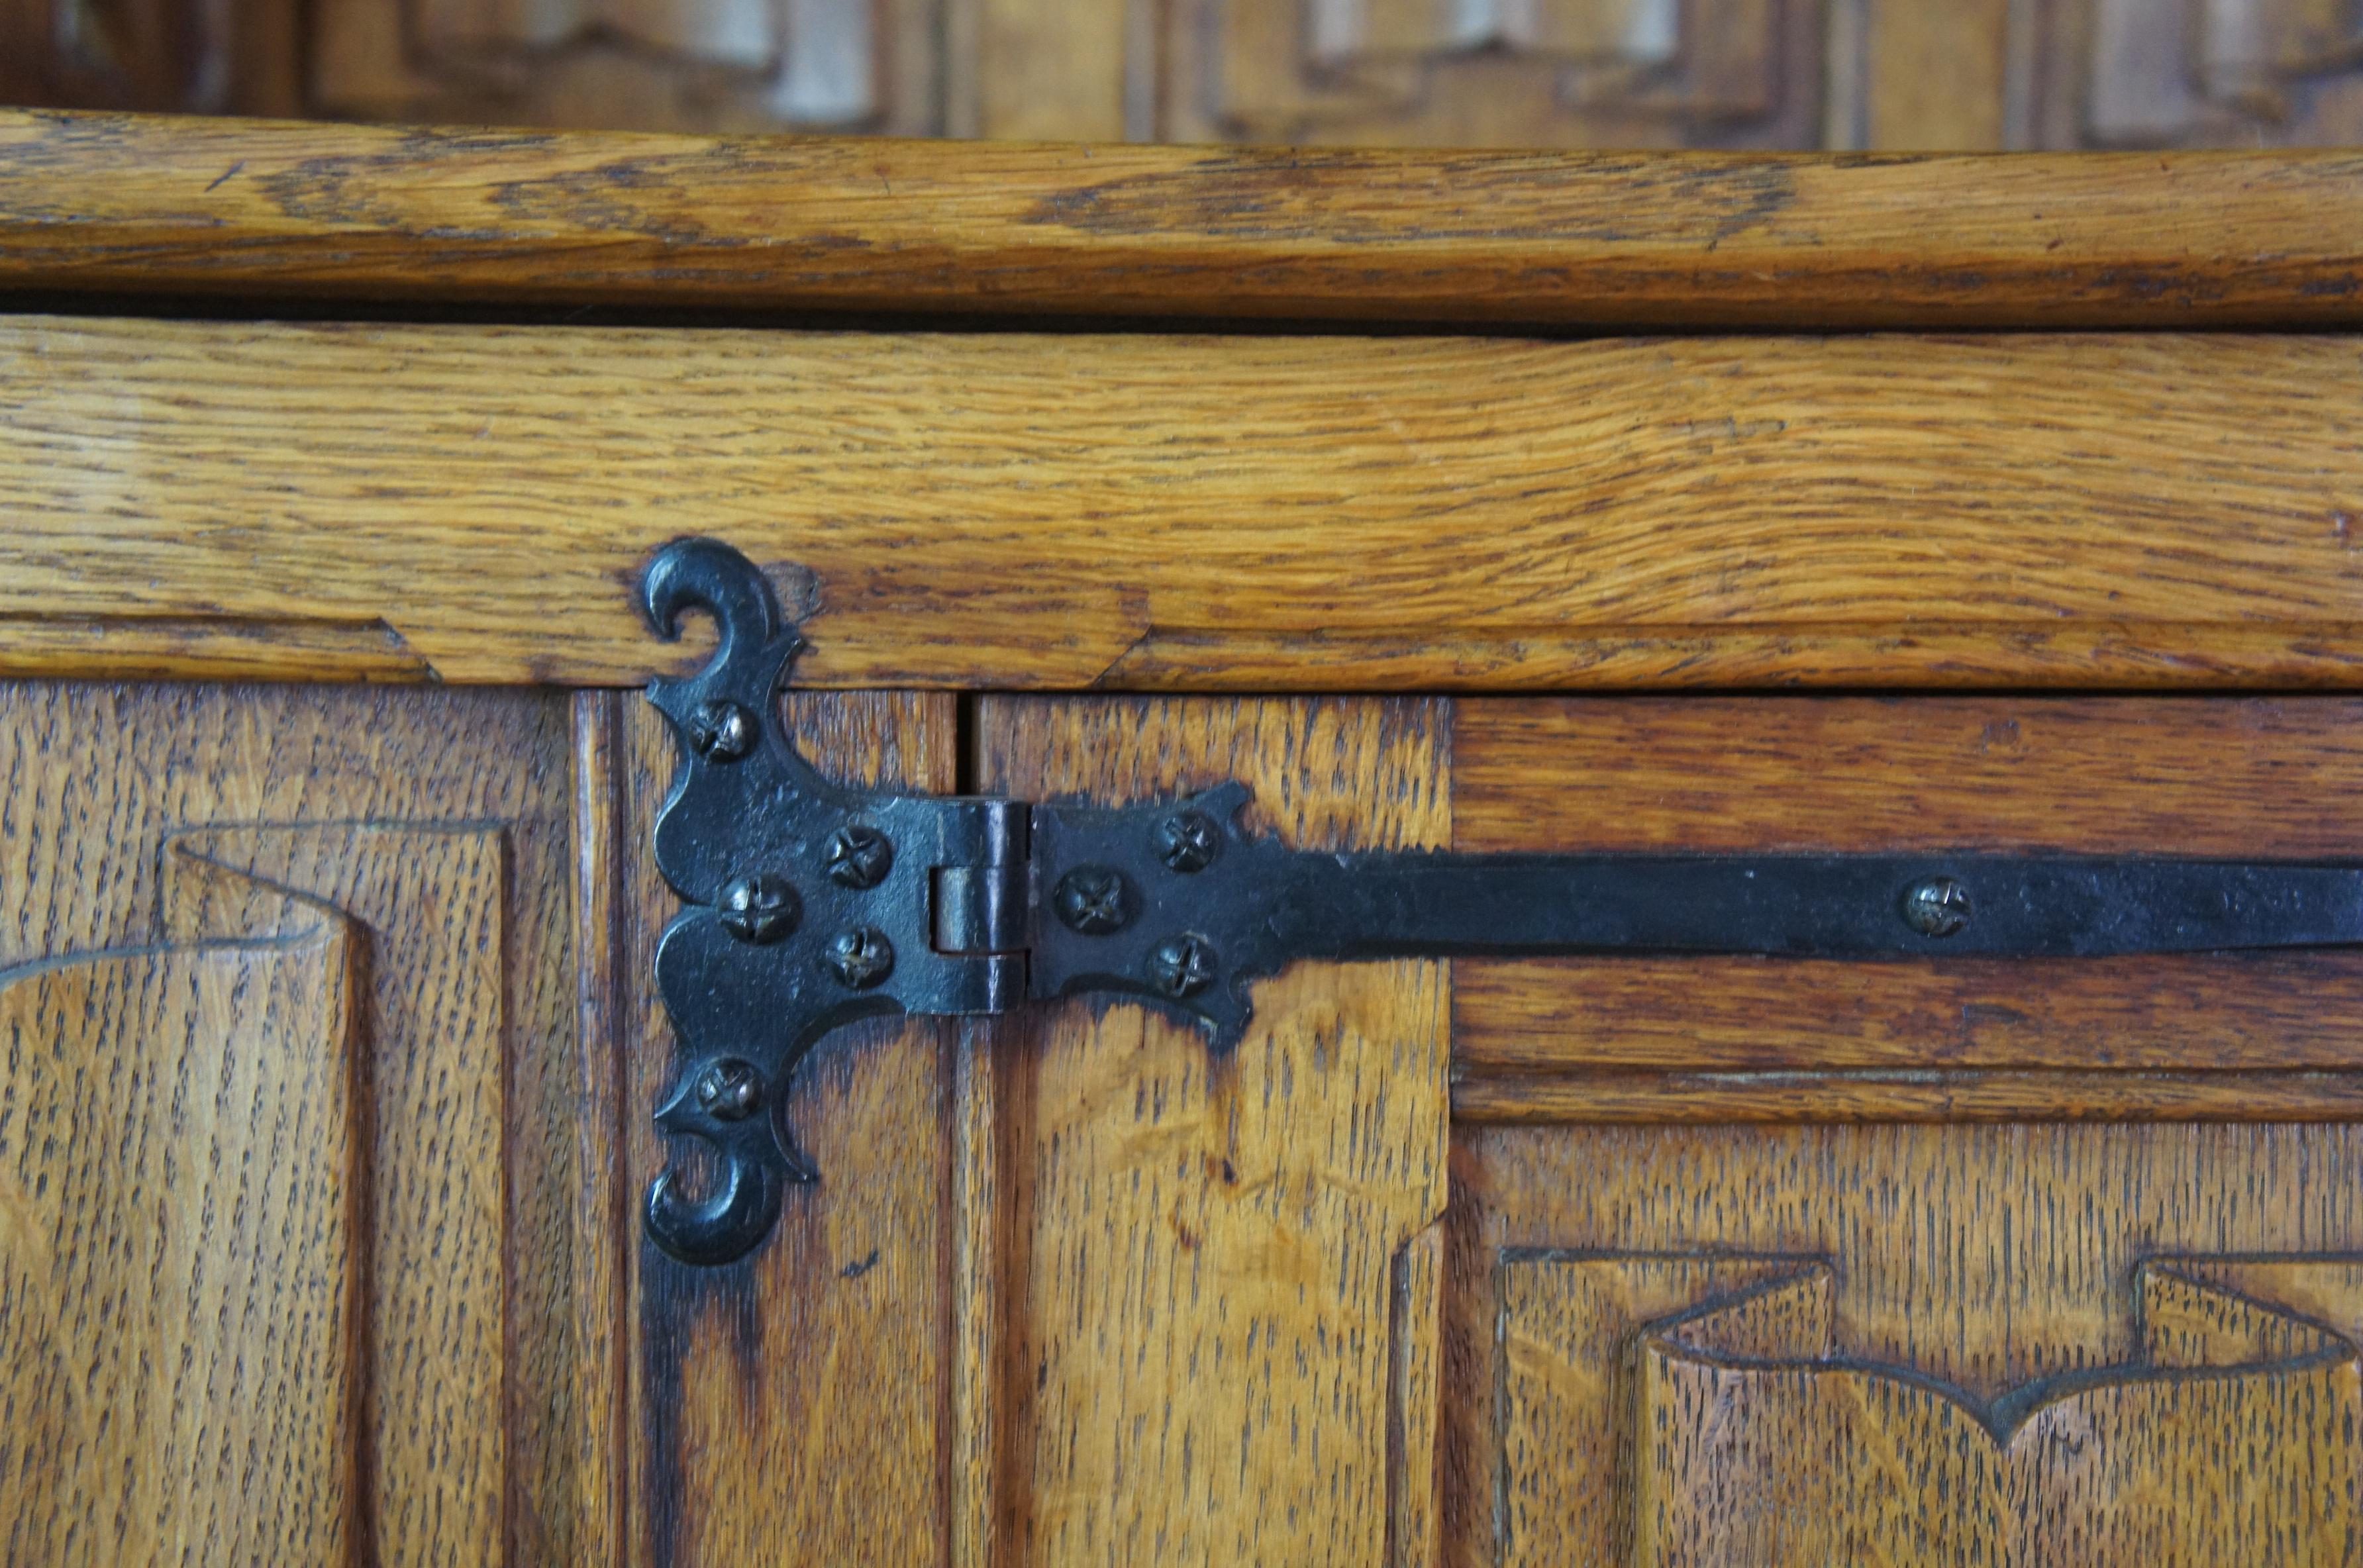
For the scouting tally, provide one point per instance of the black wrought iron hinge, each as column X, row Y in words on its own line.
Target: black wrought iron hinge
column 809, row 904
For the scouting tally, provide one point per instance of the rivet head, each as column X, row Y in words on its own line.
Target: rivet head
column 1092, row 899
column 760, row 909
column 721, row 730
column 729, row 1091
column 860, row 958
column 858, row 856
column 1936, row 906
column 1182, row 966
column 1189, row 840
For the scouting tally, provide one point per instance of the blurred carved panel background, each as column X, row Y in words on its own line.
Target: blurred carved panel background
column 1967, row 75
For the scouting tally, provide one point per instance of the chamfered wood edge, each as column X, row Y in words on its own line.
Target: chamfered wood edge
column 131, row 205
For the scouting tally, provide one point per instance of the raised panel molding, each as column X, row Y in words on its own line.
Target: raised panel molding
column 178, row 1262
column 429, row 1070
column 708, row 65
column 1494, row 73
column 1886, row 74
column 2012, row 1346
column 289, row 971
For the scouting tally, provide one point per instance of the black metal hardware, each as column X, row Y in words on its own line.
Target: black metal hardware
column 810, row 904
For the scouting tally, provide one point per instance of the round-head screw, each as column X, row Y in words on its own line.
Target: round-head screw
column 1936, row 906
column 759, row 909
column 729, row 1091
column 1092, row 899
column 1189, row 840
column 1182, row 966
column 721, row 730
column 860, row 958
column 858, row 856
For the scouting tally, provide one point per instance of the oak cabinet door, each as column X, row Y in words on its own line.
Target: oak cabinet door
column 330, row 1041
column 1646, row 1259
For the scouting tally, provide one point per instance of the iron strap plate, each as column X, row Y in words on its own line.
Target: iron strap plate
column 808, row 904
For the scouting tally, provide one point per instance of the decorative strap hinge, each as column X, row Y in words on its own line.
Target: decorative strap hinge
column 809, row 904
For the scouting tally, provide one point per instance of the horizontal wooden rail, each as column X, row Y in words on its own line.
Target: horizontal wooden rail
column 1069, row 511
column 129, row 206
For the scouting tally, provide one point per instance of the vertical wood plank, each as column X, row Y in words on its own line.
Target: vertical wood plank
column 1205, row 1249
column 602, row 1217
column 792, row 1406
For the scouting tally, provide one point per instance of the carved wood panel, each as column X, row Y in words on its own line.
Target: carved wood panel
column 1958, row 74
column 291, row 1132
column 1791, row 1262
column 2023, row 1344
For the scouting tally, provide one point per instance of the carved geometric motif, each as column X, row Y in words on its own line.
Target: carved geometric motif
column 712, row 65
column 2227, row 72
column 1495, row 72
column 1747, row 1436
column 1943, row 1345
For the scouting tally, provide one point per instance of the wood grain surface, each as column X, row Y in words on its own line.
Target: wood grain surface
column 384, row 1174
column 1175, row 512
column 2249, row 778
column 794, row 1406
column 1220, row 1305
column 1904, row 1344
column 178, row 1266
column 120, row 205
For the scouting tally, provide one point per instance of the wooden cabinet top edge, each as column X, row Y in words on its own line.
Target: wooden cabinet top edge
column 118, row 207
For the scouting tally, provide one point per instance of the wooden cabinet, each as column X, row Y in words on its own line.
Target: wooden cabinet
column 1808, row 506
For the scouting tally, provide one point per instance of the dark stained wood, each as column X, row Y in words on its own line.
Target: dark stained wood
column 1064, row 511
column 794, row 1406
column 126, row 206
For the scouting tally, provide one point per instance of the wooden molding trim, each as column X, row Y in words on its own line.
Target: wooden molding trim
column 1076, row 512
column 117, row 205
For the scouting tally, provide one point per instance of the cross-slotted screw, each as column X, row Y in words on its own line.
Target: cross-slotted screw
column 1189, row 840
column 729, row 1091
column 1092, row 899
column 858, row 856
column 1182, row 966
column 860, row 958
column 721, row 730
column 759, row 909
column 1936, row 906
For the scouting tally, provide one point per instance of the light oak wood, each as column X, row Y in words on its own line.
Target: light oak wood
column 1904, row 1344
column 177, row 1257
column 1072, row 511
column 162, row 206
column 1219, row 1310
column 374, row 1166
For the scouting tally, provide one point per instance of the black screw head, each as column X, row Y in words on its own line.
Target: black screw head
column 1189, row 840
column 760, row 909
column 1936, row 906
column 860, row 958
column 729, row 1091
column 858, row 856
column 721, row 730
column 1182, row 966
column 1092, row 899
